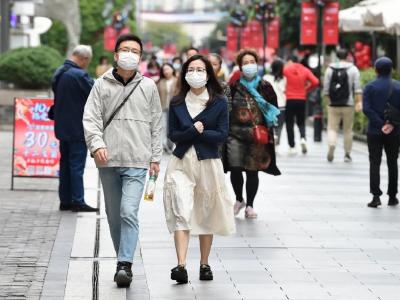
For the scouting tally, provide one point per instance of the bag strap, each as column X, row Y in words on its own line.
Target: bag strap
column 121, row 105
column 390, row 92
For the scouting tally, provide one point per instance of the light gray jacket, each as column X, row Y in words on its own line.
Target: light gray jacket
column 354, row 79
column 133, row 138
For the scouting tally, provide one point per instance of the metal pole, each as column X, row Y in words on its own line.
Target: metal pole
column 318, row 106
column 4, row 25
column 264, row 25
column 398, row 51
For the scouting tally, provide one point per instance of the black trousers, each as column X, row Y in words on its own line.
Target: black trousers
column 281, row 122
column 295, row 109
column 376, row 143
column 251, row 185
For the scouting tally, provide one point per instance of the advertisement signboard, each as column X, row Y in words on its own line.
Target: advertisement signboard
column 309, row 25
column 35, row 147
column 331, row 23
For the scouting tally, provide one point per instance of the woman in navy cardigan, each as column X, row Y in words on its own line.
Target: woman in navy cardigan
column 196, row 199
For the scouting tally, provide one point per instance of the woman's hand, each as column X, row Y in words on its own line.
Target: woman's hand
column 199, row 126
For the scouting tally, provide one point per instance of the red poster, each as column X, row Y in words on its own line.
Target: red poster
column 309, row 28
column 273, row 34
column 331, row 23
column 36, row 151
column 110, row 36
column 256, row 34
column 246, row 37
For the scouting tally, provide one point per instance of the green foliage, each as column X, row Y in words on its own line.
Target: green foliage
column 213, row 42
column 161, row 33
column 30, row 68
column 289, row 12
column 93, row 24
column 56, row 37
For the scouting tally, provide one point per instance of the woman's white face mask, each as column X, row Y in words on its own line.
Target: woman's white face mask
column 196, row 79
column 128, row 61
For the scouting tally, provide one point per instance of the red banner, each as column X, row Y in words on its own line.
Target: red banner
column 36, row 151
column 273, row 34
column 309, row 28
column 231, row 41
column 331, row 23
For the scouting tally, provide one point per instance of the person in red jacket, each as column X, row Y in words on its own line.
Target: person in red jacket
column 300, row 81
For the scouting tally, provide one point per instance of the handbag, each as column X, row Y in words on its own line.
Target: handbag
column 392, row 113
column 260, row 132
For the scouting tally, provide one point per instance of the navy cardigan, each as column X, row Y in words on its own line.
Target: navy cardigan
column 183, row 133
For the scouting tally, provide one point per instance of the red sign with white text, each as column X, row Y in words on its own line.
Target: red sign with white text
column 331, row 23
column 309, row 26
column 35, row 146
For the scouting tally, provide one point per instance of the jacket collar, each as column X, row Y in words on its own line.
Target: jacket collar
column 70, row 63
column 110, row 77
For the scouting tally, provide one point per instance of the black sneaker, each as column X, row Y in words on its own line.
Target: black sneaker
column 375, row 202
column 393, row 201
column 123, row 275
column 65, row 206
column 179, row 273
column 205, row 272
column 83, row 208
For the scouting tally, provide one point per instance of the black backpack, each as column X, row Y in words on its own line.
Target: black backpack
column 339, row 90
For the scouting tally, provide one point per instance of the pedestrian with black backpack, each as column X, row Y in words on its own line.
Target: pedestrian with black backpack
column 343, row 93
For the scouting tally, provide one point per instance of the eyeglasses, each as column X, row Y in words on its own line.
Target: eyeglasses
column 126, row 50
column 199, row 70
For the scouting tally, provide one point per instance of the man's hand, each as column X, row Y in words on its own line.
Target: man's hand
column 154, row 168
column 387, row 128
column 199, row 126
column 101, row 156
column 358, row 107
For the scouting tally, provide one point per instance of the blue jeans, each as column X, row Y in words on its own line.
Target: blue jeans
column 72, row 166
column 123, row 189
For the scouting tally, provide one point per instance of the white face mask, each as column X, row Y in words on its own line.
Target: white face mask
column 128, row 61
column 250, row 70
column 196, row 79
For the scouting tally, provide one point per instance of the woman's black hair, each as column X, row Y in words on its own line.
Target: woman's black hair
column 152, row 64
column 162, row 76
column 277, row 69
column 213, row 86
column 217, row 56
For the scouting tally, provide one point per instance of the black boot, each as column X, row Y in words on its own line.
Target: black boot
column 375, row 202
column 123, row 275
column 179, row 273
column 205, row 272
column 393, row 201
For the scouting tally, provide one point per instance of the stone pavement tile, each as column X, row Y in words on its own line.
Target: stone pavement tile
column 212, row 290
column 386, row 292
column 107, row 287
column 353, row 292
column 305, row 291
column 261, row 291
column 84, row 237
column 79, row 281
column 249, row 277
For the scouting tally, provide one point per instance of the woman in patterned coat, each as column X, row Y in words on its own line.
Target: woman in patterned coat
column 253, row 103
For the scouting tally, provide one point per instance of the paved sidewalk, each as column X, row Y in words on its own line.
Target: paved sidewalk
column 29, row 222
column 315, row 239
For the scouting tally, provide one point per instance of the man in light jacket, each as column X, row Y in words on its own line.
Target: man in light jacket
column 127, row 147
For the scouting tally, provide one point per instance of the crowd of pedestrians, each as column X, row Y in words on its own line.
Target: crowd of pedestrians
column 209, row 122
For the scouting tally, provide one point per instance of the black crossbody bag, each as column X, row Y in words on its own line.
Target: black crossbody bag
column 120, row 106
column 392, row 113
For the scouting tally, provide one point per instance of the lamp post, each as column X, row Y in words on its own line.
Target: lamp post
column 239, row 20
column 4, row 25
column 265, row 12
column 318, row 111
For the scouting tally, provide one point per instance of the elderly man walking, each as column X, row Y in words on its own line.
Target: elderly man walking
column 122, row 122
column 71, row 85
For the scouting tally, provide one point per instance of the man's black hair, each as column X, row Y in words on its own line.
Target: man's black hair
column 192, row 48
column 342, row 53
column 293, row 58
column 128, row 37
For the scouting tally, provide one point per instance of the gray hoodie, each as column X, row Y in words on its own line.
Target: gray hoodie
column 133, row 138
column 353, row 75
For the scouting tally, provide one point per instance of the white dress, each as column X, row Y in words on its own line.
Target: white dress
column 196, row 197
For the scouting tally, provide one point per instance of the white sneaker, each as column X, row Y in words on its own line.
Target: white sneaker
column 238, row 207
column 250, row 213
column 303, row 144
column 292, row 151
